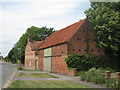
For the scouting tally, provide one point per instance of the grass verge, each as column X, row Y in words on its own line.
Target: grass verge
column 35, row 75
column 46, row 84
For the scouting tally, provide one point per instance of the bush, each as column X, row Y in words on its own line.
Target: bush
column 93, row 75
column 89, row 75
column 112, row 83
column 80, row 62
column 20, row 67
column 79, row 73
column 99, row 79
column 96, row 76
column 85, row 62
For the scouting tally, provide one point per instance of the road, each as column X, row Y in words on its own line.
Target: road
column 6, row 71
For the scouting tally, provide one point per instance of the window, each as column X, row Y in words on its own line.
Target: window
column 84, row 30
column 79, row 50
column 78, row 39
column 85, row 50
column 62, row 51
column 73, row 49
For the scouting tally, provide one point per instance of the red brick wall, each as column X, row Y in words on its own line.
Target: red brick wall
column 40, row 60
column 58, row 63
column 78, row 43
column 29, row 58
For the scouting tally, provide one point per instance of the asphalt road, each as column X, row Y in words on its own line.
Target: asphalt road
column 6, row 71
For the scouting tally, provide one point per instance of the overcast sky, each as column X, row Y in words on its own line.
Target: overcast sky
column 18, row 15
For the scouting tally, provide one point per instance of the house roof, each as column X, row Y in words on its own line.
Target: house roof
column 35, row 44
column 62, row 35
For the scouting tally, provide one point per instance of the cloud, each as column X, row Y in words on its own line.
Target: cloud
column 18, row 15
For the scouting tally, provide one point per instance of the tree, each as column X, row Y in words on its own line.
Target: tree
column 37, row 34
column 105, row 17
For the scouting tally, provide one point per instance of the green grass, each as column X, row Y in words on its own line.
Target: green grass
column 35, row 75
column 46, row 84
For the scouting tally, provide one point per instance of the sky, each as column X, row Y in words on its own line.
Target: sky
column 18, row 15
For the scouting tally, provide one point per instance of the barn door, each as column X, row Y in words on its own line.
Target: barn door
column 47, row 60
column 36, row 64
column 47, row 64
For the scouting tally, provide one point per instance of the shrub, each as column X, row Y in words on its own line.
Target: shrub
column 79, row 73
column 85, row 62
column 82, row 77
column 89, row 75
column 112, row 83
column 99, row 79
column 93, row 75
column 80, row 62
column 96, row 76
column 20, row 67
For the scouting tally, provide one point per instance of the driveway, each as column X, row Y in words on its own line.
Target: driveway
column 6, row 71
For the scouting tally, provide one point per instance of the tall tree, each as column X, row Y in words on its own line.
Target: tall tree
column 37, row 34
column 105, row 17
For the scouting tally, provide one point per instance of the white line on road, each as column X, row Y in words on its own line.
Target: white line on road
column 8, row 82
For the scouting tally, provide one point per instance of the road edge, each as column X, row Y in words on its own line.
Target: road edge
column 8, row 82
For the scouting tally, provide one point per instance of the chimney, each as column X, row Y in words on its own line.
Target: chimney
column 29, row 39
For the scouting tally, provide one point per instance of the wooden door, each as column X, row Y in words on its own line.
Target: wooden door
column 36, row 64
column 47, row 64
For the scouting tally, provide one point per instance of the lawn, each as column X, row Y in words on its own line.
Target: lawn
column 35, row 75
column 46, row 84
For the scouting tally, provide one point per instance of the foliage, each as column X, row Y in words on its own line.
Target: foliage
column 96, row 76
column 105, row 17
column 79, row 62
column 20, row 67
column 111, row 82
column 79, row 73
column 99, row 79
column 37, row 34
column 85, row 62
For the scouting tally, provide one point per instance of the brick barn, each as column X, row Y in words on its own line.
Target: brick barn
column 49, row 55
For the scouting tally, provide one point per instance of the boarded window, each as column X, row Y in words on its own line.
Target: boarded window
column 47, row 52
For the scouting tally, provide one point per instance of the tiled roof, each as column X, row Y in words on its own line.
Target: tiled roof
column 35, row 44
column 62, row 35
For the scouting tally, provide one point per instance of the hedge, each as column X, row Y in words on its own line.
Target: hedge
column 85, row 62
